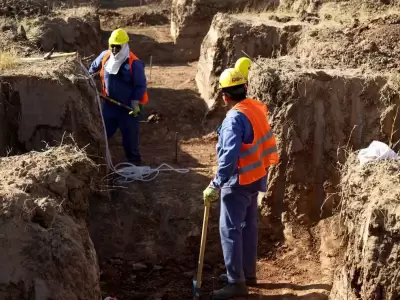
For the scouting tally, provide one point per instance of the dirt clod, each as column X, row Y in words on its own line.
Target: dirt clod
column 45, row 242
column 371, row 216
column 47, row 102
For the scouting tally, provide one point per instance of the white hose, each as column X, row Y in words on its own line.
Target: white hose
column 128, row 171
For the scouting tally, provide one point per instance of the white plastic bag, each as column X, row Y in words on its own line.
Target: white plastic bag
column 376, row 151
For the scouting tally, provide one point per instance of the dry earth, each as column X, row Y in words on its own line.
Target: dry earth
column 146, row 235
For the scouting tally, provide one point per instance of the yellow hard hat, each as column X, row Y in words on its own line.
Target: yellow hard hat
column 118, row 37
column 243, row 65
column 231, row 77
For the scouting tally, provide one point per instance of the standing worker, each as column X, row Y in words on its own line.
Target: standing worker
column 123, row 80
column 246, row 148
column 243, row 65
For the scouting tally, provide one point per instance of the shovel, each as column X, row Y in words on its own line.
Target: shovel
column 47, row 56
column 197, row 282
column 119, row 104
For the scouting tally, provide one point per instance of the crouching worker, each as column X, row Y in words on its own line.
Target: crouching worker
column 123, row 80
column 246, row 148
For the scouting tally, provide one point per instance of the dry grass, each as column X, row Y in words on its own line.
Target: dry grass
column 8, row 60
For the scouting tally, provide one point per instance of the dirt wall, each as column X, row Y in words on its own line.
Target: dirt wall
column 67, row 30
column 370, row 44
column 191, row 20
column 346, row 5
column 46, row 106
column 228, row 37
column 371, row 216
column 315, row 115
column 46, row 250
column 21, row 8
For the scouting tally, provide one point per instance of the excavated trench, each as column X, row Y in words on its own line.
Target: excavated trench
column 47, row 117
column 146, row 235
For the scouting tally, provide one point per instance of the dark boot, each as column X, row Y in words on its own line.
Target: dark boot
column 249, row 281
column 231, row 291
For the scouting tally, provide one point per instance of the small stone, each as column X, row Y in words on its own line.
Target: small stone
column 158, row 267
column 139, row 267
column 182, row 268
column 115, row 261
column 189, row 274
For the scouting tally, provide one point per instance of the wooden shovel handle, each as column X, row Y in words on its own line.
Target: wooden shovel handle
column 202, row 245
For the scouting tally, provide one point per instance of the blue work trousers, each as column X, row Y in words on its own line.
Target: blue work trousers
column 130, row 130
column 239, row 232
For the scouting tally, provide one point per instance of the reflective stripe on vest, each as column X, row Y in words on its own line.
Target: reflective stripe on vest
column 256, row 157
column 258, row 163
column 132, row 58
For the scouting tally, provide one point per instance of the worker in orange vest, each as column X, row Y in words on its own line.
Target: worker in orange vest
column 123, row 80
column 246, row 149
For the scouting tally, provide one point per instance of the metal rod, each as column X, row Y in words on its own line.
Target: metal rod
column 252, row 58
column 176, row 147
column 151, row 64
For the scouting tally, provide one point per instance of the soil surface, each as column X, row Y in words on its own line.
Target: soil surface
column 147, row 235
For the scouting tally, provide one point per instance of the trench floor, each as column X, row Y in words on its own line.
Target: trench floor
column 147, row 235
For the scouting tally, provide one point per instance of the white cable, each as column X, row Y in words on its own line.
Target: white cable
column 128, row 171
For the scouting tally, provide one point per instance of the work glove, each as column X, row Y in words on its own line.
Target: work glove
column 210, row 194
column 135, row 108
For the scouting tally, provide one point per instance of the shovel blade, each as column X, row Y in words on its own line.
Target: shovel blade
column 196, row 290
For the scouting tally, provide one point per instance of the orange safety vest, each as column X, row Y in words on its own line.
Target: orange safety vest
column 132, row 58
column 256, row 157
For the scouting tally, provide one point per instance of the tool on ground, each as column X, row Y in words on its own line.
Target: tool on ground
column 131, row 112
column 51, row 55
column 47, row 56
column 197, row 282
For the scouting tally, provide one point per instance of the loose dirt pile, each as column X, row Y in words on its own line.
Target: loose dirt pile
column 370, row 211
column 345, row 8
column 315, row 114
column 371, row 45
column 46, row 250
column 43, row 102
column 67, row 30
column 22, row 8
column 157, row 14
column 228, row 37
column 190, row 20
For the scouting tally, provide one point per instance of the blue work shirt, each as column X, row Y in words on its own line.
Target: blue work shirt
column 124, row 86
column 235, row 130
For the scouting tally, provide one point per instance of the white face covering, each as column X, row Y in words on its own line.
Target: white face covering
column 115, row 61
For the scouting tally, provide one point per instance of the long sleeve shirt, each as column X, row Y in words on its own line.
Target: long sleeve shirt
column 124, row 86
column 235, row 130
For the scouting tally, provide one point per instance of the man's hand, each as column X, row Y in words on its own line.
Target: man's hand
column 135, row 107
column 210, row 194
